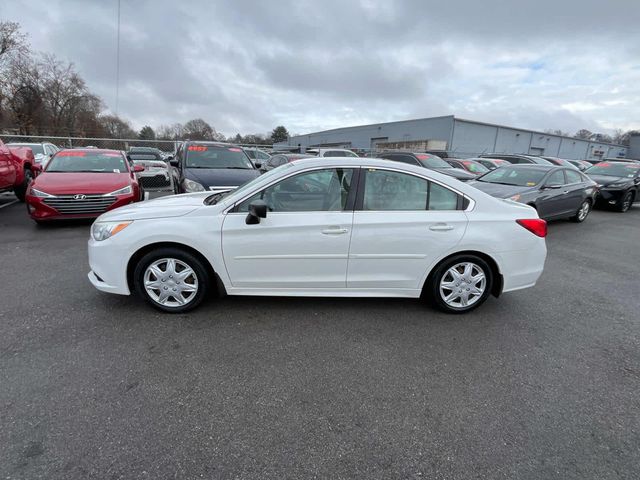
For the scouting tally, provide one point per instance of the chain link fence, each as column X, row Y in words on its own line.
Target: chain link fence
column 166, row 146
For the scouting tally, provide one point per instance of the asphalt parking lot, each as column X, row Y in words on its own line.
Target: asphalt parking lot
column 539, row 384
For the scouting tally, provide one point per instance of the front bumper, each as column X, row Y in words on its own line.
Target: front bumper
column 108, row 262
column 609, row 197
column 39, row 210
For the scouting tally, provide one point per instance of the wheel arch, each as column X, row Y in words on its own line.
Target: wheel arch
column 142, row 251
column 498, row 280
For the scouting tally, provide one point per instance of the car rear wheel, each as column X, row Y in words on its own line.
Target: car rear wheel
column 21, row 191
column 171, row 280
column 583, row 212
column 625, row 203
column 460, row 284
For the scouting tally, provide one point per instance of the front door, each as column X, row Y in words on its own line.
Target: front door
column 553, row 200
column 401, row 225
column 304, row 240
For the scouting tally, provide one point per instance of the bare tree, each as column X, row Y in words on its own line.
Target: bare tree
column 12, row 41
column 115, row 127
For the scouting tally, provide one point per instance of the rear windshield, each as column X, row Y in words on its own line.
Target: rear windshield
column 522, row 177
column 36, row 148
column 144, row 156
column 87, row 161
column 432, row 161
column 214, row 156
column 628, row 170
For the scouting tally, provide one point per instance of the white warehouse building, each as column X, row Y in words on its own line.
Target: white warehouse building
column 458, row 137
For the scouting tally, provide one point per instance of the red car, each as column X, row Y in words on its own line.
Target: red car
column 17, row 168
column 83, row 183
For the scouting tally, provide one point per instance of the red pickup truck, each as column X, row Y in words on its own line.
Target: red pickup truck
column 17, row 168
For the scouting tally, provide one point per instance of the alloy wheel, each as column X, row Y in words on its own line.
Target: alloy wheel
column 170, row 282
column 463, row 284
column 584, row 211
column 626, row 202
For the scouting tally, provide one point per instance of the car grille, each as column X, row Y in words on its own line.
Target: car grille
column 80, row 204
column 157, row 181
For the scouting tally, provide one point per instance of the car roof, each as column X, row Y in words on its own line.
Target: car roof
column 300, row 155
column 618, row 162
column 92, row 150
column 535, row 166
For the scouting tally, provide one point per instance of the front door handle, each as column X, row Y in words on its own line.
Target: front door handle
column 335, row 231
column 441, row 227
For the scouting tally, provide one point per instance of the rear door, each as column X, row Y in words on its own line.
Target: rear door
column 7, row 170
column 304, row 240
column 401, row 224
column 575, row 188
column 553, row 196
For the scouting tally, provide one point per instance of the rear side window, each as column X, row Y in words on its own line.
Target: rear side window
column 395, row 191
column 573, row 176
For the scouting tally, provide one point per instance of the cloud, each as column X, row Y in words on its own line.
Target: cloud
column 248, row 65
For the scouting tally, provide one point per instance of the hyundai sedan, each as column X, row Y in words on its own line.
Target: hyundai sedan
column 338, row 227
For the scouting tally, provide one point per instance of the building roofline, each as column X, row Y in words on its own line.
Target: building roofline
column 537, row 132
column 372, row 125
column 497, row 125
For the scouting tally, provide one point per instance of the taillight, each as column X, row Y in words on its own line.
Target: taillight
column 537, row 226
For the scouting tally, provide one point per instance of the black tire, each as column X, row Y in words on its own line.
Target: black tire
column 21, row 191
column 432, row 287
column 625, row 202
column 202, row 276
column 581, row 216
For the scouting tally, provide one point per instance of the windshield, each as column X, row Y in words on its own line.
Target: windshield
column 36, row 148
column 628, row 170
column 521, row 177
column 216, row 156
column 84, row 161
column 239, row 192
column 432, row 161
column 475, row 167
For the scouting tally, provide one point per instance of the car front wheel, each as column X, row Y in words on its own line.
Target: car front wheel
column 625, row 203
column 460, row 284
column 171, row 280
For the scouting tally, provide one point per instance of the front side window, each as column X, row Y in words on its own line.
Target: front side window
column 316, row 191
column 556, row 178
column 388, row 191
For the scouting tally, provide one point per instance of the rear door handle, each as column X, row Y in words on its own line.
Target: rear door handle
column 441, row 227
column 335, row 231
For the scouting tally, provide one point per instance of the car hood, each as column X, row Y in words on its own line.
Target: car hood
column 455, row 173
column 61, row 183
column 220, row 177
column 498, row 190
column 163, row 207
column 604, row 180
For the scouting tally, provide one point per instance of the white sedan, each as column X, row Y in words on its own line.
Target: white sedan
column 341, row 227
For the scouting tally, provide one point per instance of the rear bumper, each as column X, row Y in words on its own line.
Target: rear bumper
column 522, row 269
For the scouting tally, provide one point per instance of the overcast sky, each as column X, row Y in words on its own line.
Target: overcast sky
column 249, row 65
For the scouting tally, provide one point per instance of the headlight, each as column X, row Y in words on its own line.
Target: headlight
column 191, row 186
column 103, row 230
column 515, row 198
column 39, row 193
column 616, row 185
column 123, row 191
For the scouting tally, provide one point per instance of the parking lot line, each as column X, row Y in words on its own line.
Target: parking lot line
column 10, row 203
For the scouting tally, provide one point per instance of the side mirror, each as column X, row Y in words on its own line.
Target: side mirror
column 169, row 158
column 257, row 163
column 257, row 210
column 138, row 168
column 174, row 162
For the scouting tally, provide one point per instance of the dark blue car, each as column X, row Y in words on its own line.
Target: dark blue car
column 212, row 166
